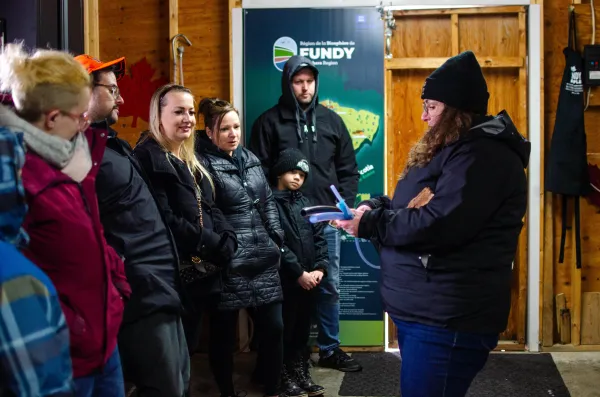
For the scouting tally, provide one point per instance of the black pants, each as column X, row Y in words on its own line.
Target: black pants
column 268, row 327
column 154, row 355
column 299, row 306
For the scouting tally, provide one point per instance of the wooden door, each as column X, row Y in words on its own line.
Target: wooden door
column 422, row 41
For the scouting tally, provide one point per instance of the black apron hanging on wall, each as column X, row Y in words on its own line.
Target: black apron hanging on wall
column 567, row 172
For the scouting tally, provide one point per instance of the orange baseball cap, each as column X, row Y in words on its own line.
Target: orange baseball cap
column 92, row 64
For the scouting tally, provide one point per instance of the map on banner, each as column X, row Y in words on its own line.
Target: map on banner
column 362, row 124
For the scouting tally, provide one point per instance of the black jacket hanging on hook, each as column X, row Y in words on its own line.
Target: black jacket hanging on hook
column 567, row 172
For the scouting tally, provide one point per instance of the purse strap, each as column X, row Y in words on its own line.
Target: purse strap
column 198, row 192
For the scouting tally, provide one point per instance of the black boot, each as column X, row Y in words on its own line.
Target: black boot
column 302, row 372
column 288, row 383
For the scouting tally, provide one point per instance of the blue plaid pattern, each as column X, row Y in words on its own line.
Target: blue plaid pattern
column 34, row 338
column 12, row 193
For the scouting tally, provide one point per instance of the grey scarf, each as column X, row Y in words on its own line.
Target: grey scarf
column 71, row 157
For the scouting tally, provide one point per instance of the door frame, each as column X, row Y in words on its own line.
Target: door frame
column 535, row 119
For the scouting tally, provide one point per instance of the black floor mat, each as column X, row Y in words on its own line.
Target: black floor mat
column 504, row 375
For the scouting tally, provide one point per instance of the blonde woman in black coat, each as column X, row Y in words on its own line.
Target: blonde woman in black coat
column 184, row 191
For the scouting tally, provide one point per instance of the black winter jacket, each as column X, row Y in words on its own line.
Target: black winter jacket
column 319, row 133
column 252, row 278
column 305, row 246
column 135, row 227
column 449, row 263
column 175, row 189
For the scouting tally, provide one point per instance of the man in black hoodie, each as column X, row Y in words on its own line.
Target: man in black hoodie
column 299, row 121
column 152, row 345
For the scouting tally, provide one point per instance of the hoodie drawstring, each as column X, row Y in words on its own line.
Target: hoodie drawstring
column 298, row 128
column 314, row 124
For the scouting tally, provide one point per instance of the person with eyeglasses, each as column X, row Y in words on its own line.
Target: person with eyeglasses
column 153, row 348
column 51, row 92
column 448, row 236
column 34, row 350
column 106, row 96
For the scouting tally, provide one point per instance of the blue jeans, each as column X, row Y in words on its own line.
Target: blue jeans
column 437, row 362
column 107, row 383
column 328, row 302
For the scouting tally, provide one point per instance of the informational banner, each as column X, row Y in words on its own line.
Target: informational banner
column 346, row 46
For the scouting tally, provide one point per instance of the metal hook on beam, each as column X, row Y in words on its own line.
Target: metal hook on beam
column 178, row 55
column 390, row 25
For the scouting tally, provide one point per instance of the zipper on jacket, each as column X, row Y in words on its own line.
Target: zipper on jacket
column 425, row 262
column 107, row 281
column 254, row 235
column 297, row 230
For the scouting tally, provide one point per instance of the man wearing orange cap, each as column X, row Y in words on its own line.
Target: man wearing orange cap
column 106, row 97
column 152, row 344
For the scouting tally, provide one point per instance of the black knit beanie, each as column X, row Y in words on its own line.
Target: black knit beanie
column 290, row 159
column 459, row 83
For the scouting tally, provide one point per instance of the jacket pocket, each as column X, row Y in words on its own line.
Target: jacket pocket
column 76, row 323
column 81, row 341
column 425, row 260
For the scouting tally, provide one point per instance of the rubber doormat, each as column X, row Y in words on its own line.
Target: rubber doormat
column 504, row 375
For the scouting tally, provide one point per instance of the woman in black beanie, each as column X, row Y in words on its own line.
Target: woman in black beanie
column 448, row 237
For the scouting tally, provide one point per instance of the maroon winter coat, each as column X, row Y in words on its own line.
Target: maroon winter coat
column 67, row 242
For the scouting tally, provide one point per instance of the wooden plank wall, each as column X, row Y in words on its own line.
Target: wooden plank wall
column 564, row 279
column 139, row 29
column 423, row 40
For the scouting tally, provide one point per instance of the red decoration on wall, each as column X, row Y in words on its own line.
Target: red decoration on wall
column 594, row 195
column 137, row 89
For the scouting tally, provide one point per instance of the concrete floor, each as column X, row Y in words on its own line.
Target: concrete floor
column 580, row 372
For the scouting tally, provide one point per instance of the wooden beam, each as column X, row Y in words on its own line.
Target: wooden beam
column 461, row 11
column 91, row 29
column 232, row 4
column 434, row 63
column 547, row 228
column 522, row 124
column 575, row 290
column 547, row 259
column 455, row 35
column 173, row 30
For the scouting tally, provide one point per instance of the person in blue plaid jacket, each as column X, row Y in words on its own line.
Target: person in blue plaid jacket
column 34, row 339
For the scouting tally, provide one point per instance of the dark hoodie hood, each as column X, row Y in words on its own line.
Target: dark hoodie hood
column 288, row 99
column 293, row 66
column 502, row 128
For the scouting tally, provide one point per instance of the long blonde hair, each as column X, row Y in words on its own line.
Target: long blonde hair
column 42, row 81
column 187, row 152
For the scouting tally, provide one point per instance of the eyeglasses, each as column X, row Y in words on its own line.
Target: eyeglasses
column 114, row 90
column 428, row 108
column 82, row 119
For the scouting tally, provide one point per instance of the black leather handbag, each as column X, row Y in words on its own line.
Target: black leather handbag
column 194, row 270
